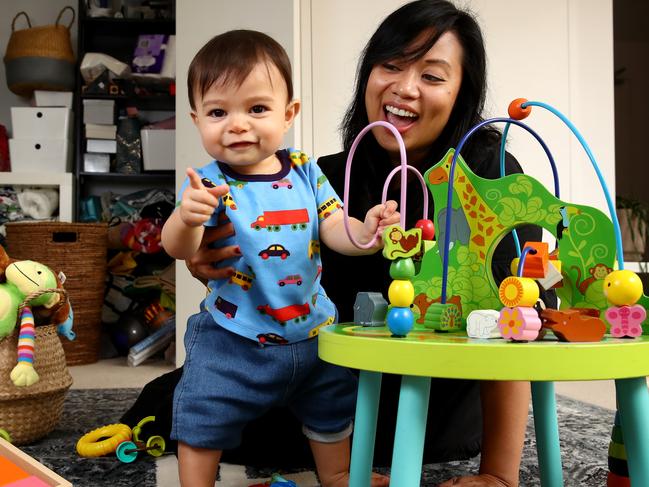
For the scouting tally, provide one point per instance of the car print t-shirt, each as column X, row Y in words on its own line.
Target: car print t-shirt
column 274, row 296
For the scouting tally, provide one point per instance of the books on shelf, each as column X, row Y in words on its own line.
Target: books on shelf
column 101, row 145
column 100, row 131
column 152, row 344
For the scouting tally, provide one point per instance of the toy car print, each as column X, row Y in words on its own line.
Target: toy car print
column 282, row 183
column 292, row 279
column 271, row 338
column 275, row 250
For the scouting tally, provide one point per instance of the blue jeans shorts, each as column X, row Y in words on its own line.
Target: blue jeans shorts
column 229, row 380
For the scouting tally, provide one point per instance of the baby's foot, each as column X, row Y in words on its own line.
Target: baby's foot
column 483, row 480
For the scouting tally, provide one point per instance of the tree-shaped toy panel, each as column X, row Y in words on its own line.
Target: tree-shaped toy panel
column 483, row 211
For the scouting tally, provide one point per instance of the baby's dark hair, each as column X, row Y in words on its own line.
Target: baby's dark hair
column 230, row 57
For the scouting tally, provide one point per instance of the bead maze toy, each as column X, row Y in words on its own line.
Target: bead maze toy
column 447, row 285
column 17, row 469
column 436, row 285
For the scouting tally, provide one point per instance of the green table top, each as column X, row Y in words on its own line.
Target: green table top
column 454, row 355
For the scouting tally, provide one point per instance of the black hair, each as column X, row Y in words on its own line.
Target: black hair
column 395, row 39
column 231, row 56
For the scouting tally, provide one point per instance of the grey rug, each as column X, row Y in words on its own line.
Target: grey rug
column 584, row 433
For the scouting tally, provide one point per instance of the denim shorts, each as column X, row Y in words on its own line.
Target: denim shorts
column 229, row 380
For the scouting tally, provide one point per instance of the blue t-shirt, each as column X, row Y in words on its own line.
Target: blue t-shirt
column 275, row 295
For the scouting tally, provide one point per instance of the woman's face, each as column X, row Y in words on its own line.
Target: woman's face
column 417, row 97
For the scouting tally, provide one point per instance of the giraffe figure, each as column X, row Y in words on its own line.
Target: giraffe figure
column 483, row 222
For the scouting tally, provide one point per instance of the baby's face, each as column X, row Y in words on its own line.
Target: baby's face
column 243, row 126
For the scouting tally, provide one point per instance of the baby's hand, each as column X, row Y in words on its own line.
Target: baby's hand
column 379, row 217
column 198, row 202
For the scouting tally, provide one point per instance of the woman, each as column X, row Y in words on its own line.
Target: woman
column 424, row 70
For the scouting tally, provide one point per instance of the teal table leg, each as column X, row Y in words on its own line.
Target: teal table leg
column 633, row 403
column 411, row 429
column 547, row 434
column 367, row 409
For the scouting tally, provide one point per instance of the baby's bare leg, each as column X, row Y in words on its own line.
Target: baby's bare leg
column 197, row 467
column 332, row 464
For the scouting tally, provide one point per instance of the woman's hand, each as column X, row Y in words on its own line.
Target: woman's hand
column 482, row 480
column 202, row 263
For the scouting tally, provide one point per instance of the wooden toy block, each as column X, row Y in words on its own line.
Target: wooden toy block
column 536, row 265
column 518, row 292
column 370, row 309
column 520, row 324
column 553, row 278
column 31, row 481
column 483, row 323
column 574, row 324
column 618, row 467
column 626, row 321
column 19, row 460
column 400, row 243
column 443, row 317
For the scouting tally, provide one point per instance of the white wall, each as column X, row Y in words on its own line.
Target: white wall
column 559, row 52
column 40, row 13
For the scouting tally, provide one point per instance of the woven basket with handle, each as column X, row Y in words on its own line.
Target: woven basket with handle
column 40, row 58
column 29, row 413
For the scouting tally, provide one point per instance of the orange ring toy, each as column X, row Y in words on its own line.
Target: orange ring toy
column 89, row 445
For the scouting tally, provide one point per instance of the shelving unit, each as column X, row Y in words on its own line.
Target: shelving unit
column 116, row 37
column 57, row 180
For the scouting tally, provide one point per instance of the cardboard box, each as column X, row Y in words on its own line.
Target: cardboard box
column 158, row 149
column 101, row 146
column 41, row 123
column 49, row 155
column 52, row 98
column 93, row 162
column 99, row 111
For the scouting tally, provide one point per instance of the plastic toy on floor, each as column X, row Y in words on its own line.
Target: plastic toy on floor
column 277, row 481
column 122, row 440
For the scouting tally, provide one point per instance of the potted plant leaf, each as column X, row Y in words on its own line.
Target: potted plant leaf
column 633, row 216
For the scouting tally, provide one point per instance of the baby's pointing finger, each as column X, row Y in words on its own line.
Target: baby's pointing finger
column 194, row 179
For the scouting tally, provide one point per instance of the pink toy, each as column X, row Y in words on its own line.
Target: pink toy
column 519, row 324
column 626, row 321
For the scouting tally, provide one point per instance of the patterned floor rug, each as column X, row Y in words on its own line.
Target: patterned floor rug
column 584, row 433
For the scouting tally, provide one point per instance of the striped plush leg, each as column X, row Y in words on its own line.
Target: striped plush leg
column 23, row 374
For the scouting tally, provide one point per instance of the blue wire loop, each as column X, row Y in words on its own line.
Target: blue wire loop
column 451, row 179
column 521, row 262
column 517, row 243
column 607, row 195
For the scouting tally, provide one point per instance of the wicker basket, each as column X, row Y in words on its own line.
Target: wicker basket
column 79, row 250
column 29, row 413
column 40, row 57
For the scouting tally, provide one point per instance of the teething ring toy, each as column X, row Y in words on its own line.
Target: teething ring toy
column 5, row 435
column 89, row 445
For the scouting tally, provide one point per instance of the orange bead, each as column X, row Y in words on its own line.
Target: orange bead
column 518, row 292
column 516, row 111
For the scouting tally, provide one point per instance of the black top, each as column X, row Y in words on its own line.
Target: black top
column 454, row 419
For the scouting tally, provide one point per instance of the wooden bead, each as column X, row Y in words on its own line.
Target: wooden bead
column 521, row 324
column 402, row 269
column 400, row 321
column 518, row 291
column 516, row 111
column 622, row 288
column 401, row 293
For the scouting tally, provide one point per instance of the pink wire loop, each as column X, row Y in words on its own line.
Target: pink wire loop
column 403, row 167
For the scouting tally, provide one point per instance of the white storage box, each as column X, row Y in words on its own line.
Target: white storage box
column 50, row 155
column 52, row 98
column 158, row 149
column 41, row 123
